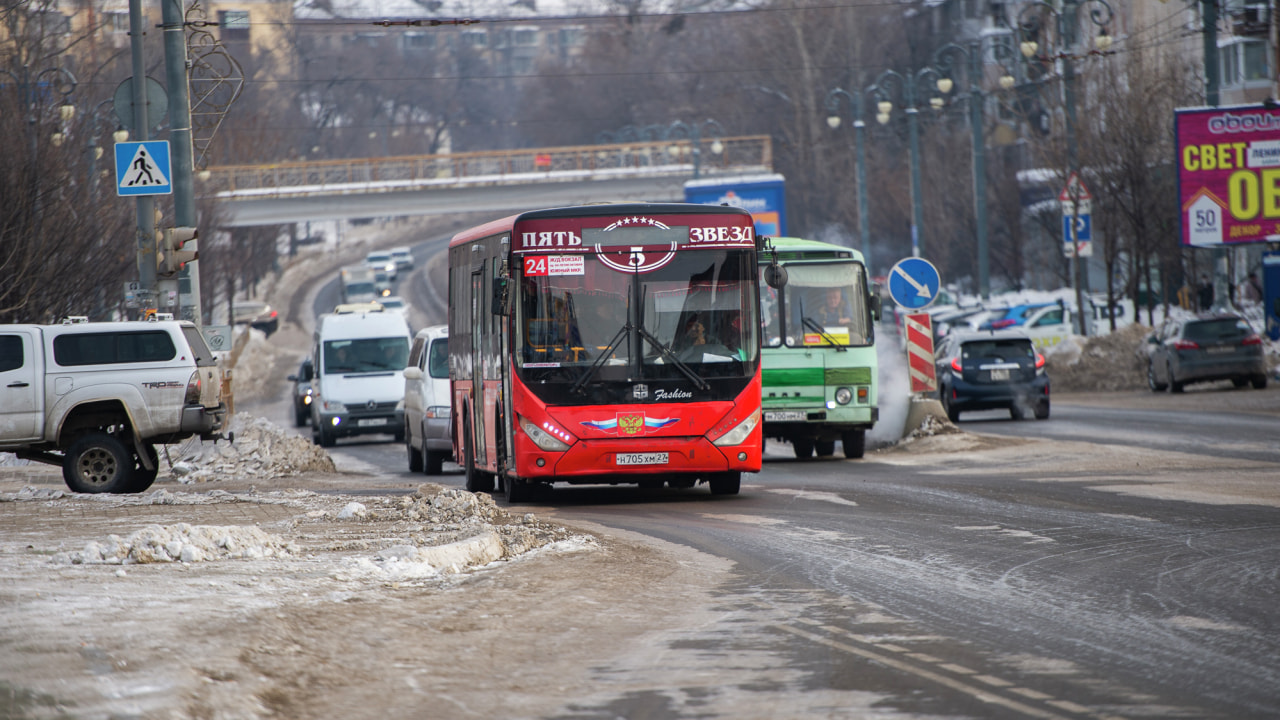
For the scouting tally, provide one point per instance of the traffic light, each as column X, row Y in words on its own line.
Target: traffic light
column 170, row 257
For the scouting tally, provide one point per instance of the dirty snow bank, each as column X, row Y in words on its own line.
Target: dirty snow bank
column 261, row 449
column 433, row 531
column 181, row 543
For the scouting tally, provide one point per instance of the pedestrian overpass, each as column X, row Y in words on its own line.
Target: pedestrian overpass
column 504, row 181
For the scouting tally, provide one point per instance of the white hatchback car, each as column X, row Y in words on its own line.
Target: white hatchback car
column 427, row 400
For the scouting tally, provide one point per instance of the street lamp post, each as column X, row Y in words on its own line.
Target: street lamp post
column 942, row 59
column 906, row 85
column 693, row 131
column 1035, row 21
column 860, row 155
column 660, row 133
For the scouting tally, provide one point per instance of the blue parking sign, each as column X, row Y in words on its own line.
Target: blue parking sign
column 142, row 168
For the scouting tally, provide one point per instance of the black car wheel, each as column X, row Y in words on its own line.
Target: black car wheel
column 1155, row 385
column 142, row 477
column 415, row 455
column 1174, row 385
column 1042, row 410
column 1259, row 382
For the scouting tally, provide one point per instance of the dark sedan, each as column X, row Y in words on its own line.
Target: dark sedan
column 1205, row 348
column 992, row 370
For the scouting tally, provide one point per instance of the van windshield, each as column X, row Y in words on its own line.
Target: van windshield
column 366, row 355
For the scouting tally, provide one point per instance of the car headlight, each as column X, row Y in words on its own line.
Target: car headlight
column 438, row 412
column 740, row 432
column 844, row 395
column 543, row 437
column 333, row 406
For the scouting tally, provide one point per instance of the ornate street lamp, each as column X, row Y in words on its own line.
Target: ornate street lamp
column 860, row 155
column 887, row 85
column 693, row 131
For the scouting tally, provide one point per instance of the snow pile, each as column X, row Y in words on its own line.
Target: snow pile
column 261, row 449
column 252, row 376
column 446, row 530
column 181, row 543
column 1099, row 363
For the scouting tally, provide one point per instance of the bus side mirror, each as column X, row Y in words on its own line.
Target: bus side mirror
column 501, row 296
column 874, row 302
column 775, row 275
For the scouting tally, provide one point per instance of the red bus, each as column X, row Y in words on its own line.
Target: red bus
column 611, row 343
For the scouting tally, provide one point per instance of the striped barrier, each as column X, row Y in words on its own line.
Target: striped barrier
column 924, row 378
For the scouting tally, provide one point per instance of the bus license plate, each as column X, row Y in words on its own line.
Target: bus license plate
column 370, row 422
column 784, row 416
column 657, row 458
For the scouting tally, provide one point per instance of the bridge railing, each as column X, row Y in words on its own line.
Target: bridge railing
column 752, row 153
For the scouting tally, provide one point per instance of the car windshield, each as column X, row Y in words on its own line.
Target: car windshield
column 366, row 355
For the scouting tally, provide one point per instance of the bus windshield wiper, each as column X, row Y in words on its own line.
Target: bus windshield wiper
column 814, row 326
column 604, row 355
column 670, row 357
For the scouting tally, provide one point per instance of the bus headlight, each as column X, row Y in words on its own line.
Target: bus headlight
column 844, row 395
column 543, row 438
column 740, row 432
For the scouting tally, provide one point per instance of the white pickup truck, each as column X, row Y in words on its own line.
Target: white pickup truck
column 96, row 398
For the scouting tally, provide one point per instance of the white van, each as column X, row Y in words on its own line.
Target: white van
column 359, row 361
column 427, row 401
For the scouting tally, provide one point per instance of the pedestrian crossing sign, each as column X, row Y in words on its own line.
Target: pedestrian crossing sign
column 142, row 168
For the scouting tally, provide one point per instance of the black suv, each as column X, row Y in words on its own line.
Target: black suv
column 1205, row 348
column 991, row 370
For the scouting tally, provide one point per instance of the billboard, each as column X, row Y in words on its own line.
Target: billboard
column 761, row 195
column 1228, row 174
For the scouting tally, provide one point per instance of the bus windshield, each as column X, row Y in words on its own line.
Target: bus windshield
column 822, row 304
column 693, row 316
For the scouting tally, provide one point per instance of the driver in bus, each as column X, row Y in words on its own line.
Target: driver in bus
column 834, row 309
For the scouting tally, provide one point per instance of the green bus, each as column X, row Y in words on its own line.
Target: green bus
column 818, row 349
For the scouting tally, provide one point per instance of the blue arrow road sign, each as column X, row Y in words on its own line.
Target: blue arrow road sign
column 914, row 283
column 142, row 168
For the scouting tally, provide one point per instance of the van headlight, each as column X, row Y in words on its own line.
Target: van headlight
column 543, row 437
column 333, row 406
column 740, row 432
column 438, row 412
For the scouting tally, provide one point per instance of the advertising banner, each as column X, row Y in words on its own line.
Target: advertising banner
column 764, row 196
column 1228, row 175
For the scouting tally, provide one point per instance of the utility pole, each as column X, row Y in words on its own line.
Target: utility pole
column 146, row 234
column 184, row 207
column 1212, row 81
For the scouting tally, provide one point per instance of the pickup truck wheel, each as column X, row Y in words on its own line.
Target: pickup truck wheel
column 142, row 477
column 98, row 463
